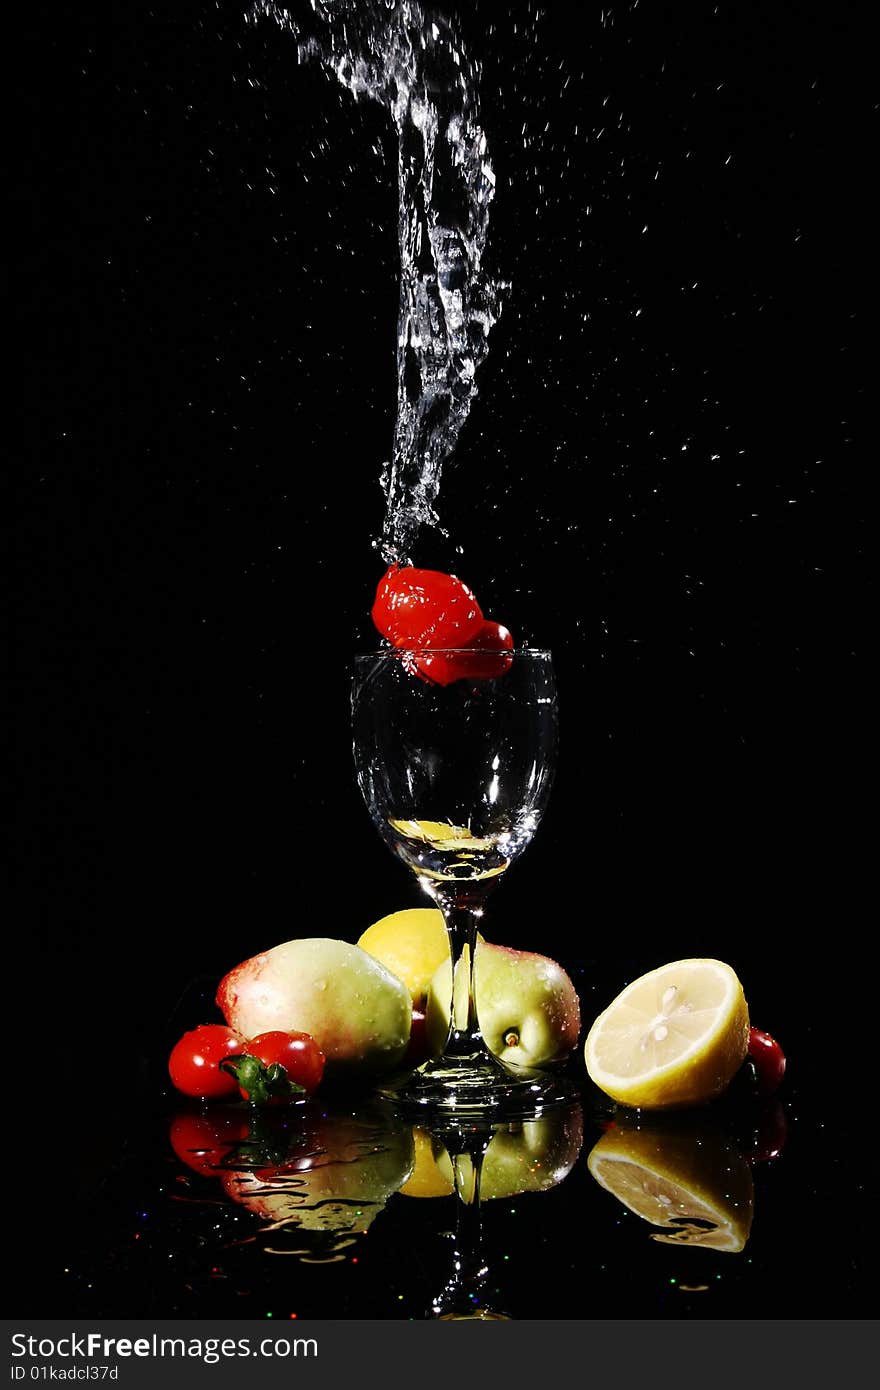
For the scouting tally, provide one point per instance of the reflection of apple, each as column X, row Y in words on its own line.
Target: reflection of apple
column 687, row 1180
column 336, row 1181
column 528, row 1008
column 524, row 1156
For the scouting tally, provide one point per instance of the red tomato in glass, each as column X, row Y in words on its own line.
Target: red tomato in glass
column 425, row 608
column 490, row 647
column 769, row 1059
column 194, row 1064
column 203, row 1139
column 299, row 1055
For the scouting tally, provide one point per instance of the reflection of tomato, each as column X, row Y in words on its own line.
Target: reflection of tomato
column 194, row 1064
column 203, row 1139
column 770, row 1133
column 487, row 656
column 425, row 608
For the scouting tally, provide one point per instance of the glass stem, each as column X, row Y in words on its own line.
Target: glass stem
column 462, row 1294
column 462, row 916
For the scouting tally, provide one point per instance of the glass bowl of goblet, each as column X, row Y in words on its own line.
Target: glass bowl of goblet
column 454, row 756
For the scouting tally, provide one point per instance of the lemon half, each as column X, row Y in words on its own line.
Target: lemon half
column 674, row 1037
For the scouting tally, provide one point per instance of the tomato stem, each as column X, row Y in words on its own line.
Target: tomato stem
column 261, row 1084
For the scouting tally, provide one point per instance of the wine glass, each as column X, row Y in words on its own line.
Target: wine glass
column 454, row 756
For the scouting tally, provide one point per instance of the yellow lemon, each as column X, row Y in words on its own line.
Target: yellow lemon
column 691, row 1185
column 411, row 944
column 674, row 1037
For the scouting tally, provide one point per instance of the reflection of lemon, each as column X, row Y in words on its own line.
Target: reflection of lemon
column 432, row 1170
column 692, row 1184
column 411, row 944
column 440, row 834
column 674, row 1037
column 485, row 1316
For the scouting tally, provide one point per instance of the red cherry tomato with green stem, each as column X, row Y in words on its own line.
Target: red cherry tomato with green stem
column 274, row 1068
column 194, row 1064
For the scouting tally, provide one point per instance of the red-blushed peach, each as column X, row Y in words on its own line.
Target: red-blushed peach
column 358, row 1012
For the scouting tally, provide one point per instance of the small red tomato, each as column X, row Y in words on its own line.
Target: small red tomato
column 194, row 1064
column 418, row 1050
column 202, row 1140
column 769, row 1059
column 491, row 649
column 273, row 1068
column 425, row 608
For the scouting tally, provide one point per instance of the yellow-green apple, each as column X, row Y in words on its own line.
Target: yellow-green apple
column 527, row 1006
column 357, row 1011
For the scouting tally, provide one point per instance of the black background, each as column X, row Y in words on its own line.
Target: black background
column 663, row 479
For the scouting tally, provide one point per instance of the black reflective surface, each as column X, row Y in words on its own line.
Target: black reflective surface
column 663, row 479
column 339, row 1207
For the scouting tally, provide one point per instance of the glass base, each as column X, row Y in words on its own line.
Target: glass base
column 477, row 1088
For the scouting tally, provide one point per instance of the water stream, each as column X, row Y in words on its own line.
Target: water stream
column 418, row 69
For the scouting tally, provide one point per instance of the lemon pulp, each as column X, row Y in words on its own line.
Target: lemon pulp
column 675, row 1036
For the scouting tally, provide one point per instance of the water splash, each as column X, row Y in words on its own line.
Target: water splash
column 418, row 69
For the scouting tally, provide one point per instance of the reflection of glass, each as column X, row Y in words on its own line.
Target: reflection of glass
column 321, row 1183
column 456, row 779
column 464, row 1294
column 478, row 1163
column 685, row 1179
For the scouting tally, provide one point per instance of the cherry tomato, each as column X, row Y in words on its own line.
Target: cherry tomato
column 425, row 608
column 203, row 1139
column 491, row 647
column 194, row 1064
column 274, row 1067
column 418, row 1050
column 769, row 1059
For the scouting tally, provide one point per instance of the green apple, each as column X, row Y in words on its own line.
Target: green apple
column 357, row 1011
column 527, row 1006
